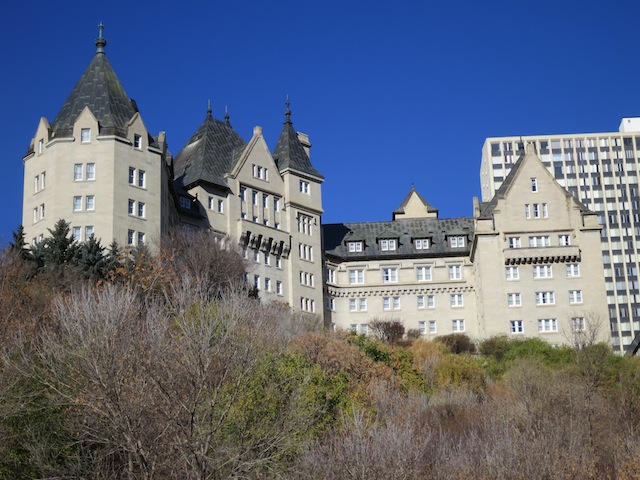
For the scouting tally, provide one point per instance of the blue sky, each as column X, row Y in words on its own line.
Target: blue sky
column 390, row 93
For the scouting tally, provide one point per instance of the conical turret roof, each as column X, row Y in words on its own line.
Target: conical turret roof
column 289, row 152
column 99, row 89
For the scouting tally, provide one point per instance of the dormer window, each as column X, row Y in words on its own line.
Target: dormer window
column 137, row 141
column 85, row 135
column 185, row 202
column 421, row 243
column 354, row 247
column 388, row 245
column 457, row 241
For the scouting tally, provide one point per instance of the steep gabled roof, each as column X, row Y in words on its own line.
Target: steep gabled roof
column 414, row 194
column 487, row 208
column 209, row 154
column 289, row 152
column 101, row 91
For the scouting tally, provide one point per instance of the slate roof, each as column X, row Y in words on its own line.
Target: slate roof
column 486, row 208
column 209, row 154
column 101, row 91
column 337, row 235
column 289, row 152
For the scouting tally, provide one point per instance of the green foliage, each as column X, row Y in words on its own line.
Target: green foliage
column 500, row 352
column 457, row 343
column 456, row 371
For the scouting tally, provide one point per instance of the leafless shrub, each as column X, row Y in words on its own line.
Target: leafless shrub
column 390, row 331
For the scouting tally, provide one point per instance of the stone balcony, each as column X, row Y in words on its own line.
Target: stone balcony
column 518, row 256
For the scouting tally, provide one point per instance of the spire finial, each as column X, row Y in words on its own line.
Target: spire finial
column 287, row 112
column 226, row 114
column 100, row 41
column 209, row 107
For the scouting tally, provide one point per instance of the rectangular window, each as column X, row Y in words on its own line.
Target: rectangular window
column 243, row 194
column 331, row 275
column 132, row 176
column 254, row 198
column 422, row 243
column 85, row 135
column 305, row 187
column 527, row 210
column 389, row 274
column 575, row 296
column 353, row 306
column 386, row 303
column 265, row 200
column 458, row 325
column 91, row 171
column 36, row 184
column 41, row 211
column 141, row 237
column 77, row 172
column 396, row 303
column 542, row 271
column 457, row 241
column 88, row 232
column 431, row 301
column 40, row 146
column 422, row 327
column 43, row 182
column 424, row 273
column 132, row 206
column 514, row 242
column 141, row 209
column 76, row 233
column 267, row 284
column 455, row 272
column 545, row 298
column 267, row 258
column 35, row 215
column 432, row 326
column 534, row 185
column 547, row 325
column 536, row 210
column 457, row 300
column 517, row 326
column 564, row 240
column 420, row 301
column 130, row 237
column 354, row 246
column 362, row 304
column 545, row 211
column 278, row 261
column 279, row 287
column 573, row 269
column 512, row 273
column 539, row 241
column 578, row 324
column 387, row 245
column 90, row 202
column 77, row 203
column 137, row 141
column 276, row 204
column 514, row 300
column 356, row 276
column 142, row 178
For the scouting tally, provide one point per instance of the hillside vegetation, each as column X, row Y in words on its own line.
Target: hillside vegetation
column 126, row 365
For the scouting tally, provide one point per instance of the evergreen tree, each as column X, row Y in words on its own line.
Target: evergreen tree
column 59, row 248
column 90, row 258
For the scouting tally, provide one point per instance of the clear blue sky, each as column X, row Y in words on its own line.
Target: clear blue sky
column 390, row 93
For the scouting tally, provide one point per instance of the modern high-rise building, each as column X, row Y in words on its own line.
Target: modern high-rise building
column 601, row 170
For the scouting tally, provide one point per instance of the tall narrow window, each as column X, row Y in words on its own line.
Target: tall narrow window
column 534, row 185
column 77, row 172
column 91, row 171
column 137, row 141
column 90, row 202
column 142, row 178
column 85, row 135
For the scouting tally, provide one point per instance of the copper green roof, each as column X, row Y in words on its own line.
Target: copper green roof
column 101, row 91
column 209, row 154
column 289, row 152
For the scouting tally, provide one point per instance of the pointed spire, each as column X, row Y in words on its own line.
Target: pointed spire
column 100, row 41
column 287, row 112
column 226, row 115
column 209, row 107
